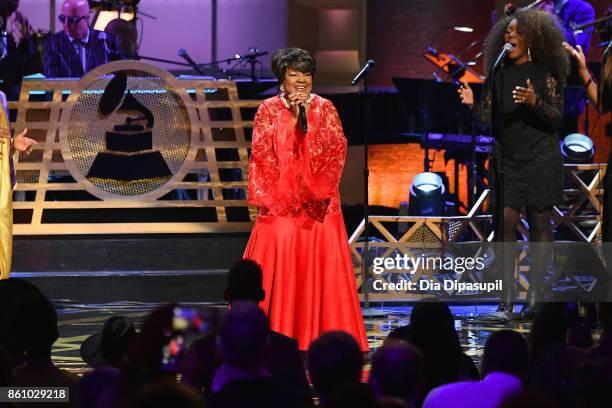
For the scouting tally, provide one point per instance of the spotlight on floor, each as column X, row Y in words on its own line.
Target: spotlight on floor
column 426, row 195
column 577, row 149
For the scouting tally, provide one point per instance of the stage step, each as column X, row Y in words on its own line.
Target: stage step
column 103, row 269
column 128, row 253
column 129, row 286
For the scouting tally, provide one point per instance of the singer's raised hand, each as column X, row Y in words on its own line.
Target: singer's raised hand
column 466, row 94
column 525, row 96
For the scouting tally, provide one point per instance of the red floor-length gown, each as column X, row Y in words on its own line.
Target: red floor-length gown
column 299, row 238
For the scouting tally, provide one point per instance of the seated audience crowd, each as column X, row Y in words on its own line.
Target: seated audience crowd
column 239, row 362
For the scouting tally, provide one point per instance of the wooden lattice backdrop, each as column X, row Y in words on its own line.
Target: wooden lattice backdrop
column 204, row 194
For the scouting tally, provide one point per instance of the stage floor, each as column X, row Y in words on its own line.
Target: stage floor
column 78, row 321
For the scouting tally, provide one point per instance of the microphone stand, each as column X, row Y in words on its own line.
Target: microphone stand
column 367, row 311
column 497, row 115
column 499, row 158
column 425, row 113
column 497, row 112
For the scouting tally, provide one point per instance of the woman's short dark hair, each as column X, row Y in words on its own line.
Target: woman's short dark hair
column 294, row 58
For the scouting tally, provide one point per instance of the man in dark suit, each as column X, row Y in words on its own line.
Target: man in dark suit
column 281, row 355
column 77, row 49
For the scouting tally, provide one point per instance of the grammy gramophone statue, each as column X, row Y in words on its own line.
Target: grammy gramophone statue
column 129, row 153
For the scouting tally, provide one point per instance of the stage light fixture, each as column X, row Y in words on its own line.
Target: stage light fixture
column 577, row 149
column 106, row 17
column 427, row 195
column 464, row 29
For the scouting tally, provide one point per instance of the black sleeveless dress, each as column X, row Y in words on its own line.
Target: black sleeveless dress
column 532, row 160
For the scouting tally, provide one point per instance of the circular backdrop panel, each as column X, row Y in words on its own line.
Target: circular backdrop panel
column 120, row 153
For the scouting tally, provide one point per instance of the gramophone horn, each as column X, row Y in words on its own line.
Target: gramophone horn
column 113, row 93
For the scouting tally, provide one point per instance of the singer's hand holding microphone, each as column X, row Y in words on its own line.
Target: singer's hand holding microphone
column 299, row 108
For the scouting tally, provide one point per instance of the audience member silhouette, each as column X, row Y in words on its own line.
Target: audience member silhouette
column 111, row 346
column 6, row 367
column 552, row 360
column 397, row 373
column 548, row 330
column 335, row 362
column 592, row 379
column 32, row 322
column 11, row 289
column 432, row 330
column 6, row 371
column 164, row 394
column 354, row 396
column 504, row 366
column 281, row 355
column 94, row 384
column 143, row 364
column 527, row 399
column 604, row 317
column 243, row 379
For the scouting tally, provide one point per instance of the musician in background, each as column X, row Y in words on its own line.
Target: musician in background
column 77, row 49
column 14, row 31
column 127, row 37
column 573, row 13
column 16, row 24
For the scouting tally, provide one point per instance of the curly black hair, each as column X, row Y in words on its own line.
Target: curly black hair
column 294, row 58
column 542, row 35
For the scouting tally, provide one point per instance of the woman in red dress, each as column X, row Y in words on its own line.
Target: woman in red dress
column 299, row 238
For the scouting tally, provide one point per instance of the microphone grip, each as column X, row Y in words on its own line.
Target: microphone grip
column 302, row 119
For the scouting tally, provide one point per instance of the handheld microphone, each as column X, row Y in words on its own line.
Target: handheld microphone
column 505, row 50
column 302, row 118
column 183, row 54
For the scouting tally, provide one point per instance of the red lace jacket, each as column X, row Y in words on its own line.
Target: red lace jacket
column 291, row 172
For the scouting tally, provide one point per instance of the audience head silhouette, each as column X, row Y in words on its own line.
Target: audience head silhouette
column 397, row 371
column 244, row 282
column 32, row 321
column 506, row 351
column 335, row 362
column 243, row 334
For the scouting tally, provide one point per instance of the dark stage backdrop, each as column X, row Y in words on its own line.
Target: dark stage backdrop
column 399, row 31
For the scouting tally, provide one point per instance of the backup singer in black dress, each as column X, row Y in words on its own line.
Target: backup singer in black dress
column 533, row 77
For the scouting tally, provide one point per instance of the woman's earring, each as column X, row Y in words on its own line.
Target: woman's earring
column 529, row 53
column 282, row 88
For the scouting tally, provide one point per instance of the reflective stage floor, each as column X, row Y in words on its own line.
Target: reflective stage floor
column 77, row 321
